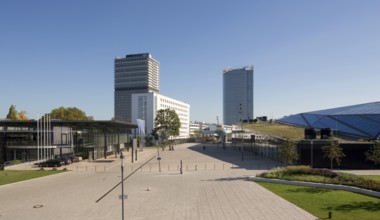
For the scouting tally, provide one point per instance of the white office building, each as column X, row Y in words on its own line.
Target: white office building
column 146, row 105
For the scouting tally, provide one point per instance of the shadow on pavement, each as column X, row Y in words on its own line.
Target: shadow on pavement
column 245, row 160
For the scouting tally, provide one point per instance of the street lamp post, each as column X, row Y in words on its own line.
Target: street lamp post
column 122, row 185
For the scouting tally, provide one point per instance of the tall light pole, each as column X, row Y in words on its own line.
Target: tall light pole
column 122, row 184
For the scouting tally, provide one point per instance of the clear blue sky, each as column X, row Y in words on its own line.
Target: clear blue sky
column 308, row 55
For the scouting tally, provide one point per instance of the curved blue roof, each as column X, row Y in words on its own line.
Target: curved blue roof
column 361, row 121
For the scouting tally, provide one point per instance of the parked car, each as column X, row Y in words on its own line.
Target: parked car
column 51, row 163
column 65, row 160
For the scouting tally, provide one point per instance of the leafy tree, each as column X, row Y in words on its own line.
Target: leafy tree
column 69, row 114
column 22, row 116
column 166, row 124
column 333, row 151
column 373, row 154
column 14, row 115
column 288, row 152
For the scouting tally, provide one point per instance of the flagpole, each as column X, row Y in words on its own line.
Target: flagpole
column 38, row 139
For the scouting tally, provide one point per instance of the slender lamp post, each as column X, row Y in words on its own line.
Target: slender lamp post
column 122, row 184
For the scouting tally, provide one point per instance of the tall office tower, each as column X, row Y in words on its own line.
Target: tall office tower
column 237, row 95
column 135, row 73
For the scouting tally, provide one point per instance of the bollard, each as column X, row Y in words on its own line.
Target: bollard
column 181, row 168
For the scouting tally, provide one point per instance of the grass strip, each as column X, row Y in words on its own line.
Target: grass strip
column 12, row 176
column 318, row 201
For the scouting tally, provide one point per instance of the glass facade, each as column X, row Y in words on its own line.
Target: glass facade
column 237, row 95
column 362, row 121
column 19, row 142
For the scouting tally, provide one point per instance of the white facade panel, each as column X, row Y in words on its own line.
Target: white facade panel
column 155, row 102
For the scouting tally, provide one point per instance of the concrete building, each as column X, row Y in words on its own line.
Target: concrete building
column 237, row 95
column 146, row 105
column 135, row 73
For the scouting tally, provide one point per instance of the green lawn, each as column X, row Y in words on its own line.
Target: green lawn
column 12, row 176
column 277, row 130
column 318, row 201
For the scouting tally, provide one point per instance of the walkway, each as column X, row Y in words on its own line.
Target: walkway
column 197, row 194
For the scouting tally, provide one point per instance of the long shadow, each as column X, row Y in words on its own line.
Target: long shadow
column 245, row 160
column 228, row 179
column 368, row 206
column 310, row 190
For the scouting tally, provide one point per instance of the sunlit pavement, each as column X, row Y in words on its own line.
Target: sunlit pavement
column 213, row 185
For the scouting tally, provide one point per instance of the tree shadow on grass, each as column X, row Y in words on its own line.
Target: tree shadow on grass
column 310, row 190
column 367, row 206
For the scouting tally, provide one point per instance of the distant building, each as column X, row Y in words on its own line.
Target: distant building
column 237, row 95
column 135, row 73
column 146, row 105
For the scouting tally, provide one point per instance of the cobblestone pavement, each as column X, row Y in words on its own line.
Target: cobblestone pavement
column 214, row 185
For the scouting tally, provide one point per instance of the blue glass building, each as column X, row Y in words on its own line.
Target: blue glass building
column 237, row 95
column 359, row 121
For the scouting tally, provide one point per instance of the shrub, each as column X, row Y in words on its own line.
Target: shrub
column 276, row 173
column 323, row 172
column 298, row 170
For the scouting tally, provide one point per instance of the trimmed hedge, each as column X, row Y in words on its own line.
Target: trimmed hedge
column 305, row 173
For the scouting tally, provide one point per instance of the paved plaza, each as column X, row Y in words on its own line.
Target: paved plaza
column 213, row 185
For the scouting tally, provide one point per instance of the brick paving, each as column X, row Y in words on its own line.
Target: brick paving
column 223, row 192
